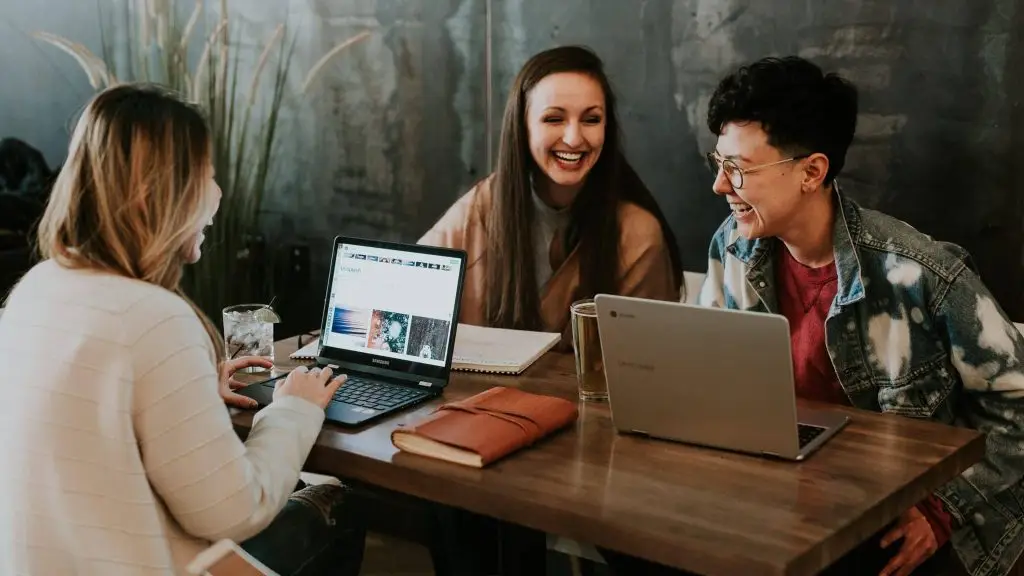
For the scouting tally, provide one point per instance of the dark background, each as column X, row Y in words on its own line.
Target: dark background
column 401, row 126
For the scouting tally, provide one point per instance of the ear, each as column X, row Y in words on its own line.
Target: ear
column 815, row 169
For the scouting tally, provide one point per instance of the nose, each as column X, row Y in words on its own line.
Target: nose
column 721, row 186
column 572, row 137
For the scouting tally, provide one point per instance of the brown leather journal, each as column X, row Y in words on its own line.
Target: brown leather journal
column 485, row 427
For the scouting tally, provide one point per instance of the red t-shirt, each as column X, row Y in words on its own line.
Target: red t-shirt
column 805, row 296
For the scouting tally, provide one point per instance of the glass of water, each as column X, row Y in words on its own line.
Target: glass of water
column 249, row 331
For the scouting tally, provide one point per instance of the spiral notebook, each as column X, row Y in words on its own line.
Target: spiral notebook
column 479, row 349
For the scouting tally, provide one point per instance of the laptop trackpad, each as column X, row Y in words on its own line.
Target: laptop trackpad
column 349, row 413
column 262, row 392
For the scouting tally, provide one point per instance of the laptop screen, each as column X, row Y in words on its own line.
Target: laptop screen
column 396, row 306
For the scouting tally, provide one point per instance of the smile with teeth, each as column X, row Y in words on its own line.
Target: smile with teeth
column 569, row 157
column 740, row 208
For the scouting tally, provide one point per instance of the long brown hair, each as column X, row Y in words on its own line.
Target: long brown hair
column 134, row 189
column 513, row 300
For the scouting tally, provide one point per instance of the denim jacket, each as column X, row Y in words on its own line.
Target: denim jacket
column 912, row 331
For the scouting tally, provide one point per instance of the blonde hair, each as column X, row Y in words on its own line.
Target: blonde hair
column 134, row 189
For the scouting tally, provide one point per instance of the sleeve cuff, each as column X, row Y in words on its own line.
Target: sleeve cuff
column 938, row 518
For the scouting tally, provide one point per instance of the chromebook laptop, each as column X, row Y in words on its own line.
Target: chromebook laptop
column 708, row 376
column 389, row 322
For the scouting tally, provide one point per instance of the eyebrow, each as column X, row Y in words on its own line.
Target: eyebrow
column 595, row 108
column 733, row 156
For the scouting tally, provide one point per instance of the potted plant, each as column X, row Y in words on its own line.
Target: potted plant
column 244, row 120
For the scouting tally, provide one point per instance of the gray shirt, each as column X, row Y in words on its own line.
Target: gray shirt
column 548, row 222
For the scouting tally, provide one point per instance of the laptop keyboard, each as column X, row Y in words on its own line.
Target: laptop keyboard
column 807, row 433
column 375, row 394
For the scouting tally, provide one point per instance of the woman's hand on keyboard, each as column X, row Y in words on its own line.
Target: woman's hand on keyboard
column 315, row 385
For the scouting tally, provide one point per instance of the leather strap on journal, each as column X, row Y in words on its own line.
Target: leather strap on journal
column 519, row 420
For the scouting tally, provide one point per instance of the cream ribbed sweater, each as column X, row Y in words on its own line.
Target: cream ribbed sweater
column 118, row 455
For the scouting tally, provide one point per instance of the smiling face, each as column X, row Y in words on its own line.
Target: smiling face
column 772, row 197
column 566, row 125
column 193, row 250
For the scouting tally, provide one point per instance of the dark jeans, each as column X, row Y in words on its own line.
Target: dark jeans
column 467, row 544
column 319, row 531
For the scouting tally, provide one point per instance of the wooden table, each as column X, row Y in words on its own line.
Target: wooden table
column 702, row 510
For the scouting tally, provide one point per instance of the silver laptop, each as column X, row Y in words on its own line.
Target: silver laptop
column 707, row 376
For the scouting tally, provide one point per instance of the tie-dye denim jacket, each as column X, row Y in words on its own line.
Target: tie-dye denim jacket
column 912, row 331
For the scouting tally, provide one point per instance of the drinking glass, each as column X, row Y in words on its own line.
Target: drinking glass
column 248, row 332
column 586, row 342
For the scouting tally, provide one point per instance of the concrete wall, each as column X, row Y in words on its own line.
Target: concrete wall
column 41, row 89
column 398, row 127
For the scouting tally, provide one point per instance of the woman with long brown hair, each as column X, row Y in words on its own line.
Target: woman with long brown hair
column 564, row 216
column 119, row 455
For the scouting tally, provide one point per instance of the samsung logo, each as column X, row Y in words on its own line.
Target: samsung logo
column 381, row 362
column 637, row 366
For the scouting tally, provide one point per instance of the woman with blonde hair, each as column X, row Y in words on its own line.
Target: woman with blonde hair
column 120, row 456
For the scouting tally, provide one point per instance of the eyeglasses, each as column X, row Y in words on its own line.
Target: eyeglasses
column 734, row 173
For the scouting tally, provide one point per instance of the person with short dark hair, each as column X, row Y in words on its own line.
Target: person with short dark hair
column 882, row 317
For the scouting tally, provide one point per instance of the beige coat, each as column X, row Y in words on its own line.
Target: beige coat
column 645, row 269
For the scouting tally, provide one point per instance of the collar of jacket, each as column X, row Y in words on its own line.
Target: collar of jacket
column 845, row 231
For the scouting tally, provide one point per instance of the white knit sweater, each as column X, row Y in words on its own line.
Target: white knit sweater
column 118, row 455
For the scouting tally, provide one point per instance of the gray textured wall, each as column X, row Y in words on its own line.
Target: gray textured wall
column 397, row 128
column 40, row 88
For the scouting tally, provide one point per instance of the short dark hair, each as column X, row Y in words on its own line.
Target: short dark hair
column 800, row 108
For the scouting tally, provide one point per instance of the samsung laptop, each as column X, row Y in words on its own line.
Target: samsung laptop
column 389, row 322
column 708, row 376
